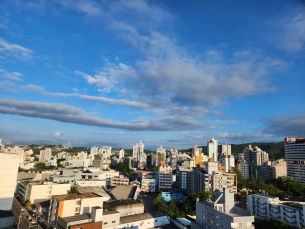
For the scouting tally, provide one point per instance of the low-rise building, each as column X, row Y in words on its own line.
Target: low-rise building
column 266, row 207
column 66, row 175
column 72, row 204
column 119, row 180
column 148, row 185
column 91, row 182
column 42, row 208
column 125, row 207
column 41, row 191
column 222, row 213
column 77, row 163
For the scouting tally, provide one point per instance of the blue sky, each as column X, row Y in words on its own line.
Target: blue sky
column 171, row 73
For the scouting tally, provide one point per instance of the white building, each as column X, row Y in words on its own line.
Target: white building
column 93, row 150
column 225, row 149
column 255, row 156
column 78, row 163
column 9, row 163
column 227, row 161
column 105, row 151
column 121, row 154
column 222, row 213
column 91, row 182
column 138, row 153
column 45, row 155
column 213, row 149
column 148, row 184
column 101, row 175
column 295, row 157
column 266, row 207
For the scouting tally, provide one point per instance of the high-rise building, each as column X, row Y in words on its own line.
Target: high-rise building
column 255, row 156
column 138, row 154
column 165, row 177
column 93, row 150
column 244, row 169
column 45, row 155
column 213, row 149
column 280, row 168
column 161, row 156
column 184, row 177
column 173, row 161
column 295, row 158
column 227, row 161
column 105, row 151
column 82, row 155
column 121, row 154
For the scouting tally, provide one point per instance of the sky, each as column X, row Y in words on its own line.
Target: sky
column 172, row 73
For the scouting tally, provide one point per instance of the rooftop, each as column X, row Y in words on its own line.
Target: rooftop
column 75, row 196
column 294, row 205
column 141, row 216
column 266, row 195
column 109, row 212
column 112, row 204
column 121, row 192
column 76, row 218
column 94, row 189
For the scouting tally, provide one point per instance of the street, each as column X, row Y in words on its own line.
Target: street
column 21, row 216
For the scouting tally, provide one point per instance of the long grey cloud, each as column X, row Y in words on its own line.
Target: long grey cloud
column 71, row 114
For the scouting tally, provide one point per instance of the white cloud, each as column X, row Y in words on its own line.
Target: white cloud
column 12, row 76
column 58, row 133
column 74, row 89
column 15, row 50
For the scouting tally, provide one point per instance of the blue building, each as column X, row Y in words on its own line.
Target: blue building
column 167, row 196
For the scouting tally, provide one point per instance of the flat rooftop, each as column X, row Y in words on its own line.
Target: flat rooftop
column 265, row 195
column 294, row 205
column 75, row 196
column 112, row 204
column 140, row 217
column 76, row 218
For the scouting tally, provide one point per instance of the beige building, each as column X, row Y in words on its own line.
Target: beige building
column 41, row 191
column 119, row 180
column 148, row 184
column 165, row 177
column 45, row 155
column 71, row 205
column 279, row 168
column 91, row 182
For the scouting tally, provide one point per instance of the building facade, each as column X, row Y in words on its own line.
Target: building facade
column 295, row 158
column 165, row 178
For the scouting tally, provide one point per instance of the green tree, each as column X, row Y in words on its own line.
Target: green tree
column 154, row 168
column 28, row 204
column 190, row 203
column 73, row 189
column 40, row 165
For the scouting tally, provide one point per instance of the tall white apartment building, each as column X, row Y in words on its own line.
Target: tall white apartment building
column 138, row 153
column 255, row 156
column 225, row 149
column 105, row 151
column 295, row 158
column 9, row 163
column 222, row 213
column 93, row 150
column 267, row 207
column 121, row 154
column 227, row 161
column 160, row 155
column 165, row 178
column 244, row 169
column 45, row 155
column 213, row 149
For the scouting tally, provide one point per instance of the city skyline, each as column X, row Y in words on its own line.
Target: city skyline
column 93, row 73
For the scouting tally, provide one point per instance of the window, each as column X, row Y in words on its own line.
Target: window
column 156, row 220
column 113, row 221
column 105, row 223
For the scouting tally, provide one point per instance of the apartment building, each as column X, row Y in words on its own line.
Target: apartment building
column 160, row 156
column 255, row 156
column 266, row 206
column 165, row 178
column 184, row 177
column 244, row 169
column 66, row 175
column 37, row 191
column 148, row 184
column 280, row 168
column 228, row 162
column 45, row 155
column 212, row 147
column 72, row 204
column 222, row 213
column 295, row 158
column 119, row 180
